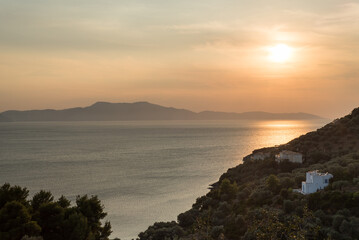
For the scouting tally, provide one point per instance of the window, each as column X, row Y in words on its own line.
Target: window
column 326, row 180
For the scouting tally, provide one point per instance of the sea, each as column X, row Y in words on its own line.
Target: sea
column 142, row 171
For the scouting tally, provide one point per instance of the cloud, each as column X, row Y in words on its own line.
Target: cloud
column 347, row 13
column 212, row 26
column 179, row 48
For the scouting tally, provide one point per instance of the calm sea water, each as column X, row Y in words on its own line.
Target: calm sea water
column 143, row 172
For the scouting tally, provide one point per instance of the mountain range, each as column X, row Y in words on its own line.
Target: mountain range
column 105, row 111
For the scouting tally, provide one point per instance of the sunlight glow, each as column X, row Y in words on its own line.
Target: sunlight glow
column 280, row 53
column 283, row 124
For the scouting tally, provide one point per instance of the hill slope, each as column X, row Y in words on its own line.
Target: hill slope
column 103, row 111
column 255, row 200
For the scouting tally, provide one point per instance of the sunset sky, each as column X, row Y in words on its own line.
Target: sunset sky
column 199, row 55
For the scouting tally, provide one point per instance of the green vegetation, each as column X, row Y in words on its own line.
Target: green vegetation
column 44, row 218
column 255, row 200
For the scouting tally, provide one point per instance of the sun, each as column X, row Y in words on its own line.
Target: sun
column 280, row 53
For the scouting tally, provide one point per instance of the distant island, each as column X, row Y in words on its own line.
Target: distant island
column 138, row 111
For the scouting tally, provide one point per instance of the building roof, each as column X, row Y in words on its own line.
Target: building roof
column 290, row 152
column 260, row 153
column 316, row 172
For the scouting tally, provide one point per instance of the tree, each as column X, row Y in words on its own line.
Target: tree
column 40, row 198
column 15, row 222
column 50, row 217
column 105, row 231
column 273, row 183
column 92, row 209
column 63, row 202
column 54, row 220
column 75, row 226
column 15, row 193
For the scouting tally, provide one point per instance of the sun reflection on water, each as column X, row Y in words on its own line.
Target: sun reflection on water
column 284, row 124
column 273, row 133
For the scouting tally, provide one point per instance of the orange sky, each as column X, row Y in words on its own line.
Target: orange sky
column 199, row 55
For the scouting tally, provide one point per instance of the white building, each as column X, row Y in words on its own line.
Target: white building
column 290, row 156
column 260, row 156
column 315, row 181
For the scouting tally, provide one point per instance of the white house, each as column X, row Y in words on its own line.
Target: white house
column 260, row 155
column 315, row 181
column 290, row 156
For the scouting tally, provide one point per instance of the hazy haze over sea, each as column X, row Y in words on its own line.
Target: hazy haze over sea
column 142, row 171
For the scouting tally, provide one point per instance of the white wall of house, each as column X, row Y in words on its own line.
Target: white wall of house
column 260, row 156
column 290, row 156
column 315, row 181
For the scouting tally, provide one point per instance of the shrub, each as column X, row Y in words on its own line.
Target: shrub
column 317, row 157
column 288, row 206
column 188, row 218
column 217, row 231
column 284, row 193
column 287, row 182
column 337, row 221
column 31, row 238
column 228, row 188
column 162, row 231
column 260, row 197
column 339, row 185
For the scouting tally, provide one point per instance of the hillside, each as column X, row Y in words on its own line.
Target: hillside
column 103, row 111
column 255, row 200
